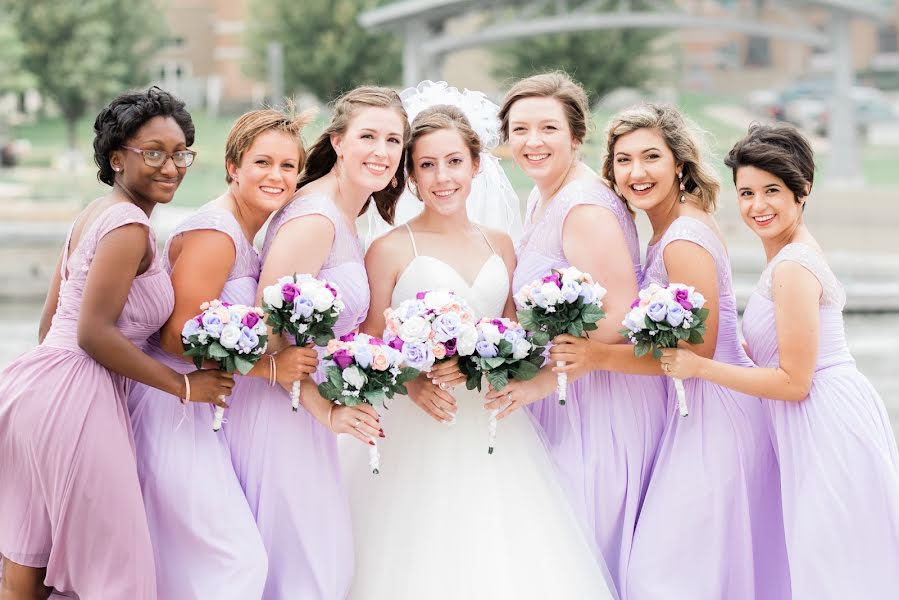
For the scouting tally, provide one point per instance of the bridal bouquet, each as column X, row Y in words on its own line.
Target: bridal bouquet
column 564, row 301
column 233, row 335
column 434, row 326
column 363, row 369
column 502, row 352
column 661, row 317
column 305, row 307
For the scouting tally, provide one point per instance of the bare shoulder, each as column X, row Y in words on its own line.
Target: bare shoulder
column 500, row 240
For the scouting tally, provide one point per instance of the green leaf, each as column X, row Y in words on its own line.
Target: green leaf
column 217, row 351
column 695, row 337
column 493, row 363
column 576, row 329
column 657, row 354
column 243, row 364
column 374, row 397
column 539, row 338
column 335, row 376
column 328, row 390
column 592, row 313
column 526, row 319
column 641, row 348
column 498, row 379
column 524, row 371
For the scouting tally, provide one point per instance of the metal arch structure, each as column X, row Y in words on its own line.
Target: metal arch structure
column 422, row 23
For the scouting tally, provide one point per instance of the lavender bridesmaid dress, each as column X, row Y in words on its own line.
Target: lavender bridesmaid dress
column 205, row 538
column 606, row 437
column 70, row 499
column 839, row 469
column 287, row 462
column 711, row 525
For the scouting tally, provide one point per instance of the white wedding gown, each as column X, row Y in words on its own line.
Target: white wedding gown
column 446, row 521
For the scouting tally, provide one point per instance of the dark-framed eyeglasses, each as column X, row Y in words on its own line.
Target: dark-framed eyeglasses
column 157, row 158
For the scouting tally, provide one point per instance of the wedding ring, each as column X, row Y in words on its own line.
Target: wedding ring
column 357, row 424
column 509, row 396
column 443, row 385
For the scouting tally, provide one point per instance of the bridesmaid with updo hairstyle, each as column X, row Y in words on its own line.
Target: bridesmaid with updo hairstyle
column 210, row 547
column 605, row 438
column 287, row 461
column 72, row 520
column 839, row 469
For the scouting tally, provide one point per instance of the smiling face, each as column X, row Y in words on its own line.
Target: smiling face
column 645, row 169
column 153, row 185
column 540, row 138
column 767, row 205
column 443, row 170
column 267, row 175
column 371, row 148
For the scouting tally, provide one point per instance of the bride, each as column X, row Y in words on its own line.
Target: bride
column 444, row 520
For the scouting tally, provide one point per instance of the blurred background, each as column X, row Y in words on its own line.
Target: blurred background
column 831, row 67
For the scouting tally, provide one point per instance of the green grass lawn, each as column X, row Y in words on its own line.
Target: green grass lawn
column 205, row 179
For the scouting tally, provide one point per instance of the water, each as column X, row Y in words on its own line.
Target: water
column 872, row 340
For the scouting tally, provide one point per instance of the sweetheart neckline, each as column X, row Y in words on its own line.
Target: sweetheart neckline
column 451, row 268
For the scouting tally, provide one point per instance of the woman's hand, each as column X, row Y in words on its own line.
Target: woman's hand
column 435, row 401
column 446, row 374
column 210, row 385
column 361, row 421
column 681, row 363
column 517, row 394
column 580, row 355
column 295, row 363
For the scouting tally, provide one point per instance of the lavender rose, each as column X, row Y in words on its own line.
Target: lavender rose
column 657, row 311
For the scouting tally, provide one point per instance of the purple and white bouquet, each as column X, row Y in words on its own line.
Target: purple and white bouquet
column 233, row 335
column 564, row 301
column 305, row 307
column 436, row 325
column 363, row 369
column 502, row 352
column 661, row 317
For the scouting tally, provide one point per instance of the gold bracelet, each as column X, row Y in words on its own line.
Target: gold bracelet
column 272, row 371
column 186, row 398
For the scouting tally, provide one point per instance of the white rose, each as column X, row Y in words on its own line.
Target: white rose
column 285, row 279
column 322, row 299
column 260, row 328
column 437, row 299
column 551, row 293
column 415, row 329
column 354, row 377
column 697, row 299
column 466, row 340
column 571, row 274
column 491, row 333
column 522, row 347
column 229, row 337
column 271, row 295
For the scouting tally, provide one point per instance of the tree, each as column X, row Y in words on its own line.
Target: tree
column 326, row 52
column 83, row 53
column 600, row 60
column 13, row 76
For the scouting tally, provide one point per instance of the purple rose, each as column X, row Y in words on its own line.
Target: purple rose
column 446, row 326
column 682, row 298
column 635, row 303
column 512, row 335
column 289, row 292
column 303, row 307
column 250, row 319
column 554, row 277
column 499, row 325
column 343, row 359
column 417, row 356
column 396, row 343
column 376, row 341
column 348, row 337
column 212, row 324
column 331, row 289
column 248, row 340
column 420, row 296
column 227, row 304
column 485, row 349
column 675, row 314
column 190, row 328
column 450, row 346
column 657, row 311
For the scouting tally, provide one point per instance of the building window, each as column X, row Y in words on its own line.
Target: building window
column 887, row 40
column 758, row 51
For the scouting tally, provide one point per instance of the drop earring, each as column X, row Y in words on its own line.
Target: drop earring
column 393, row 182
column 683, row 198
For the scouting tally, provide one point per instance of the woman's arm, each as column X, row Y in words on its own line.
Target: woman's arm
column 382, row 266
column 113, row 268
column 797, row 294
column 594, row 243
column 503, row 246
column 52, row 300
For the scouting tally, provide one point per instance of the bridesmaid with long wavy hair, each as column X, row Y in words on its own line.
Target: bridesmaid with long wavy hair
column 839, row 467
column 209, row 546
column 287, row 462
column 71, row 515
column 710, row 524
column 605, row 438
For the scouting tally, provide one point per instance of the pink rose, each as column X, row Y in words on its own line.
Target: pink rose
column 682, row 298
column 289, row 292
column 439, row 351
column 379, row 361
